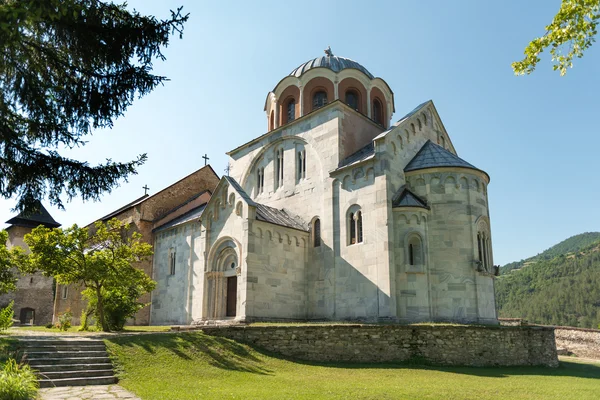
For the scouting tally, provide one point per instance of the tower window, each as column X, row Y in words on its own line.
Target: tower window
column 291, row 110
column 319, row 99
column 377, row 112
column 65, row 292
column 317, row 233
column 415, row 254
column 352, row 99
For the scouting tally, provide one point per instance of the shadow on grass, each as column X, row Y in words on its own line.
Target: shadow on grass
column 221, row 352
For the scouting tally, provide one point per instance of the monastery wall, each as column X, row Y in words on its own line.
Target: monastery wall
column 277, row 269
column 436, row 344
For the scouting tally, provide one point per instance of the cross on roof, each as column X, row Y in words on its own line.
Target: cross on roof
column 328, row 51
column 228, row 169
column 205, row 156
column 146, row 188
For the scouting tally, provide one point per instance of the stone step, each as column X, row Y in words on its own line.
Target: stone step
column 104, row 380
column 66, row 347
column 65, row 354
column 71, row 367
column 62, row 342
column 66, row 361
column 75, row 374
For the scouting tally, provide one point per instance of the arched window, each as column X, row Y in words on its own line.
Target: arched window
column 279, row 169
column 260, row 180
column 412, row 128
column 355, row 225
column 291, row 110
column 419, row 123
column 319, row 99
column 352, row 99
column 377, row 112
column 484, row 248
column 424, row 118
column 301, row 172
column 442, row 142
column 317, row 233
column 415, row 254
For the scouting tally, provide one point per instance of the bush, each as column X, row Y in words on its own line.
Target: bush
column 6, row 316
column 49, row 325
column 17, row 382
column 64, row 320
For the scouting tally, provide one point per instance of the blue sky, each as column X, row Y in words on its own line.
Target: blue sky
column 537, row 136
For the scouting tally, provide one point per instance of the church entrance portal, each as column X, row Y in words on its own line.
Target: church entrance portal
column 222, row 282
column 231, row 296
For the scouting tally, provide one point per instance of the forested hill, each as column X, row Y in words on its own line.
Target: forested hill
column 570, row 245
column 564, row 290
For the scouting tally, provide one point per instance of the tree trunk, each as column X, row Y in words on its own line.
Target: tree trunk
column 100, row 306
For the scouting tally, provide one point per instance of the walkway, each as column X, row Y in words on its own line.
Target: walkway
column 86, row 392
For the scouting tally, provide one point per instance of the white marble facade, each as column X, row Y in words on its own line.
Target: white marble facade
column 335, row 214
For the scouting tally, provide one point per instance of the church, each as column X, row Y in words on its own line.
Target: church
column 335, row 213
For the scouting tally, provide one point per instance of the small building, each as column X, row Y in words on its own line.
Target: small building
column 34, row 297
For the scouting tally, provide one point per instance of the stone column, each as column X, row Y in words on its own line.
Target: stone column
column 301, row 100
column 369, row 102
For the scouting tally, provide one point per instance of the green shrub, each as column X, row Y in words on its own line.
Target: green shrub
column 6, row 317
column 17, row 382
column 64, row 320
column 49, row 325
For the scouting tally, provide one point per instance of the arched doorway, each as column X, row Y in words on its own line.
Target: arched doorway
column 222, row 282
column 27, row 316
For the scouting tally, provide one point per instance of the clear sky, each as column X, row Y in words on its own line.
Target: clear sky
column 537, row 136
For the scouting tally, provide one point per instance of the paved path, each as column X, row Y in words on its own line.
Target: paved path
column 86, row 392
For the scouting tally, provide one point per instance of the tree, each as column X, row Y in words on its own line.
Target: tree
column 69, row 67
column 573, row 28
column 8, row 279
column 103, row 262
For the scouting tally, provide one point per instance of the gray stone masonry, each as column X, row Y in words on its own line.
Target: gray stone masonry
column 436, row 344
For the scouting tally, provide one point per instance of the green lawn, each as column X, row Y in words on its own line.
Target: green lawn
column 196, row 366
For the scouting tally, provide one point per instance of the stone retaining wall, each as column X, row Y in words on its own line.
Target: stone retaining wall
column 436, row 344
column 581, row 342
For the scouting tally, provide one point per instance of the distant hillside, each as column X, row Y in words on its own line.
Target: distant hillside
column 570, row 245
column 563, row 290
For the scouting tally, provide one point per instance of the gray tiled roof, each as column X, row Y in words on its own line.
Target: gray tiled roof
column 194, row 213
column 361, row 155
column 431, row 155
column 334, row 63
column 269, row 214
column 31, row 220
column 279, row 217
column 406, row 198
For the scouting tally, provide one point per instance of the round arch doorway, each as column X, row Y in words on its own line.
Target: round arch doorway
column 222, row 282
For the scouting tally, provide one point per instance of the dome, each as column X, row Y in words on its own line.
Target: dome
column 334, row 63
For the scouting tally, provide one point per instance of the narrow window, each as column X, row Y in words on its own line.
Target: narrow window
column 480, row 248
column 172, row 259
column 279, row 169
column 351, row 222
column 317, row 233
column 377, row 112
column 65, row 292
column 258, row 182
column 352, row 99
column 301, row 164
column 359, row 232
column 412, row 128
column 291, row 110
column 411, row 254
column 485, row 258
column 419, row 123
column 442, row 142
column 425, row 119
column 319, row 99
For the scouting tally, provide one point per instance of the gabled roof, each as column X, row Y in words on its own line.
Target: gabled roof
column 361, row 155
column 406, row 198
column 32, row 220
column 266, row 213
column 431, row 155
column 194, row 213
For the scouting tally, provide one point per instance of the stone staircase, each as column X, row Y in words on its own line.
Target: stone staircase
column 69, row 362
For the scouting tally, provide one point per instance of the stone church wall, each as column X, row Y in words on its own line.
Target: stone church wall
column 437, row 344
column 171, row 301
column 277, row 284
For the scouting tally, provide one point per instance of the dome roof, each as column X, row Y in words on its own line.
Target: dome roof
column 334, row 63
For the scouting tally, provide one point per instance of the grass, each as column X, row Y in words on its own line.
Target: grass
column 197, row 366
